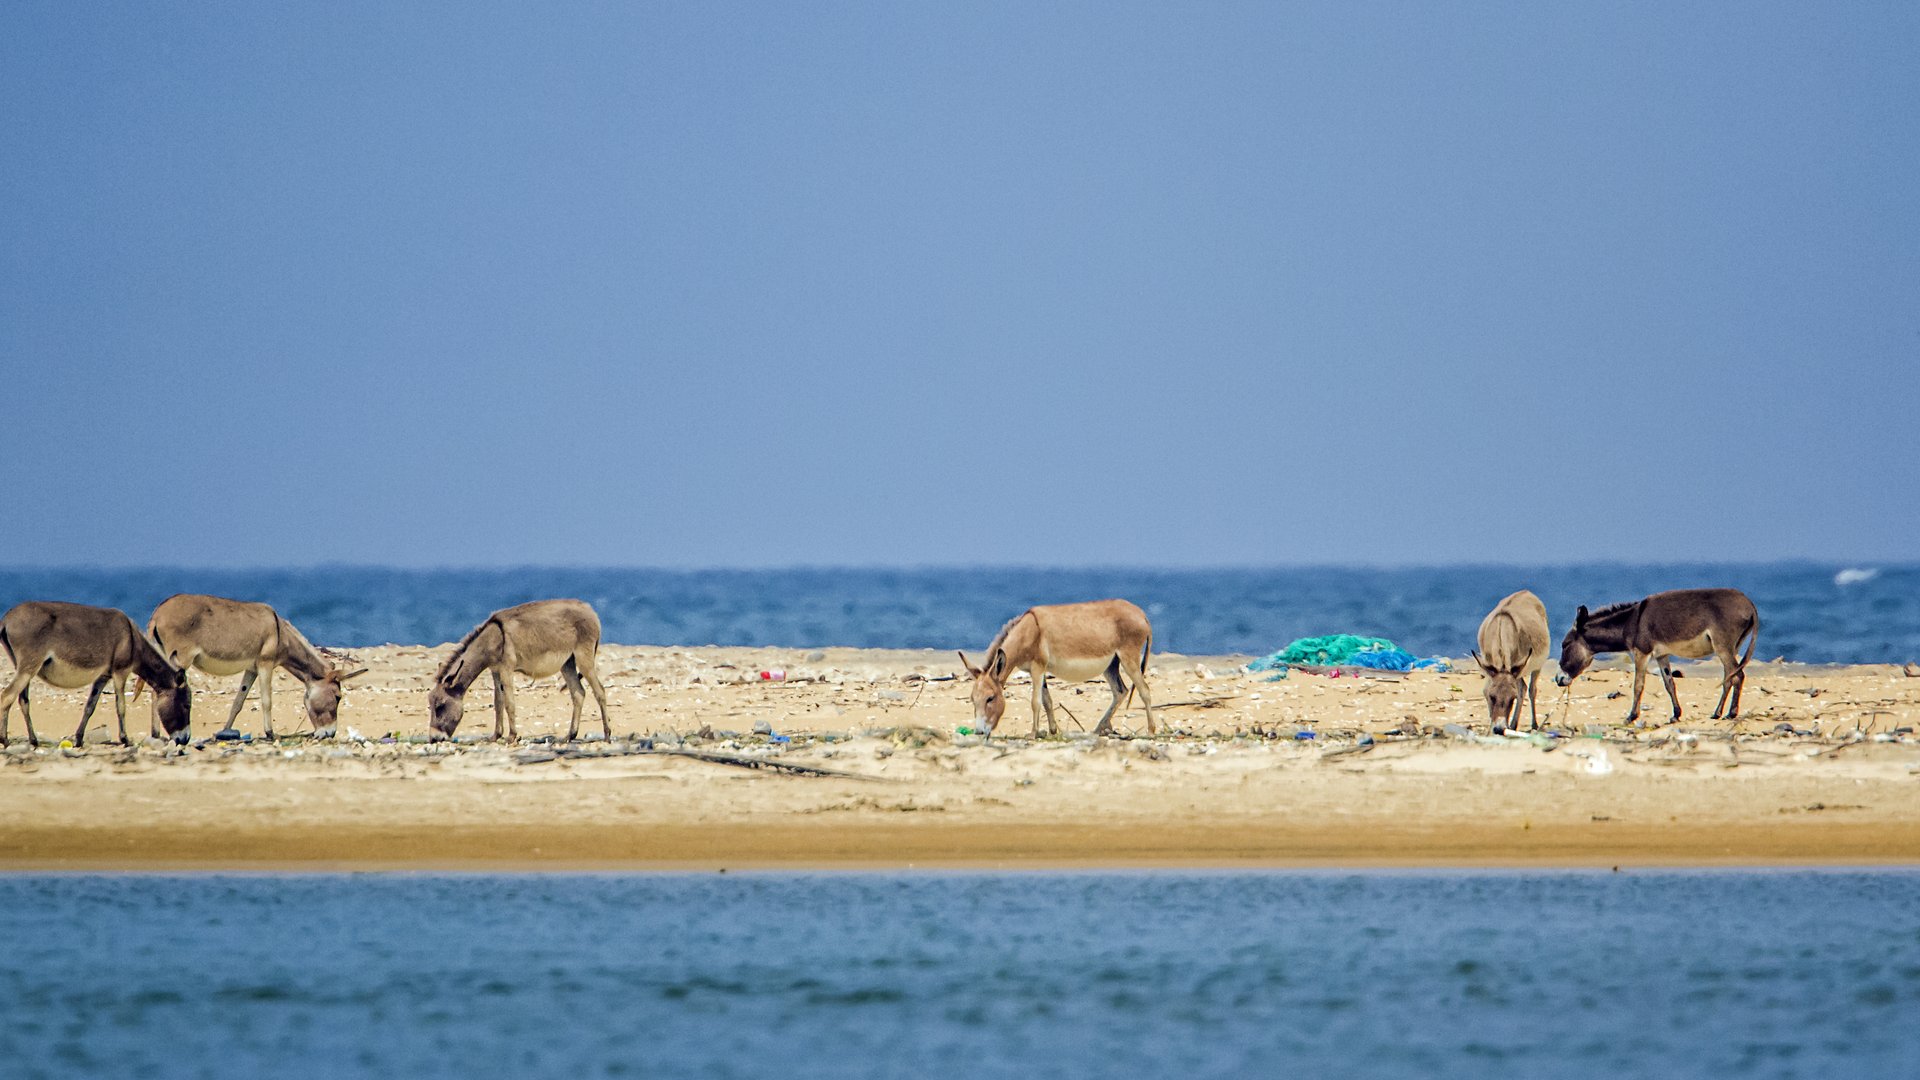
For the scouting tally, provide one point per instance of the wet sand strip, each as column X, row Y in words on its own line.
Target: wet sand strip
column 805, row 845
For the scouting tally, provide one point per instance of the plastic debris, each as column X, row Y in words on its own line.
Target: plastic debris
column 1351, row 650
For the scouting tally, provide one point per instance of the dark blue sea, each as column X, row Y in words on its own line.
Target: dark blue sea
column 1378, row 974
column 1806, row 615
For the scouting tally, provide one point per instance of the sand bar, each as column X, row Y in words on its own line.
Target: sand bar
column 1839, row 784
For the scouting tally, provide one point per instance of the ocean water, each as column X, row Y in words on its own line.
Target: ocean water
column 1378, row 974
column 1806, row 615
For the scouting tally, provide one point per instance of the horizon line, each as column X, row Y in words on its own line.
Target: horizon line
column 1367, row 565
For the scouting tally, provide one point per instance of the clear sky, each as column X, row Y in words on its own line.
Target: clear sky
column 764, row 284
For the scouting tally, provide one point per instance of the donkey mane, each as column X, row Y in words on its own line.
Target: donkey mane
column 460, row 650
column 1614, row 609
column 1000, row 638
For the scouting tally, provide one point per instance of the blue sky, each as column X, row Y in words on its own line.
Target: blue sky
column 708, row 284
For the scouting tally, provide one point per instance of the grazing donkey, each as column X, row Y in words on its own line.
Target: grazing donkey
column 538, row 640
column 232, row 637
column 1513, row 649
column 1075, row 642
column 1693, row 623
column 73, row 645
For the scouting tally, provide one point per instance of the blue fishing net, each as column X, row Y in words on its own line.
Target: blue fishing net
column 1347, row 650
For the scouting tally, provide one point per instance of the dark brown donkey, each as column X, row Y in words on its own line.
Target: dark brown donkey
column 1692, row 623
column 73, row 645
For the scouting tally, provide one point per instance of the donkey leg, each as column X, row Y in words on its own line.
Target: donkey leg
column 120, row 704
column 17, row 691
column 1042, row 704
column 26, row 713
column 1739, row 684
column 571, row 673
column 1105, row 726
column 1666, row 679
column 240, row 699
column 265, row 683
column 1727, row 663
column 1639, row 684
column 1533, row 701
column 589, row 666
column 86, row 711
column 503, row 705
column 1137, row 677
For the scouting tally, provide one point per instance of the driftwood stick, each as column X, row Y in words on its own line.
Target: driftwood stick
column 1202, row 703
column 762, row 763
column 1343, row 751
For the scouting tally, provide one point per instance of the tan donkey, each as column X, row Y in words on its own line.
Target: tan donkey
column 1514, row 646
column 1074, row 642
column 538, row 640
column 74, row 645
column 237, row 637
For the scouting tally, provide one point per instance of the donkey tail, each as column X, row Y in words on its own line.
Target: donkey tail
column 1753, row 639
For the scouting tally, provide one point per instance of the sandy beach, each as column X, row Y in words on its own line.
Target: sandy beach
column 1399, row 772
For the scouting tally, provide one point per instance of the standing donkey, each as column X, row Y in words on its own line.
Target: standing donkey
column 234, row 637
column 1693, row 623
column 74, row 645
column 538, row 640
column 1073, row 641
column 1514, row 647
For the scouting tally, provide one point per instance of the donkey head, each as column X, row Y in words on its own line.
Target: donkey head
column 323, row 700
column 174, row 707
column 989, row 690
column 1576, row 653
column 445, row 703
column 1502, row 690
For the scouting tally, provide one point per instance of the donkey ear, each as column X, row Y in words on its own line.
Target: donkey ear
column 452, row 674
column 1580, row 617
column 965, row 663
column 1480, row 663
column 999, row 663
column 354, row 674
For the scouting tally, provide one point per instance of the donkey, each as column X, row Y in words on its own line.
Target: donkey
column 229, row 637
column 1513, row 649
column 1693, row 623
column 73, row 645
column 537, row 640
column 1075, row 642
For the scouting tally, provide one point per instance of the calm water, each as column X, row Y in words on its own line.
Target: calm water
column 1048, row 975
column 1804, row 614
